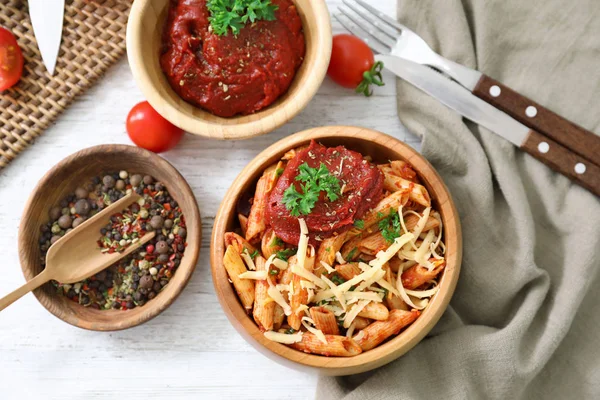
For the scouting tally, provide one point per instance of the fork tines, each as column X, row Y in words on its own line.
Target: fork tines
column 378, row 30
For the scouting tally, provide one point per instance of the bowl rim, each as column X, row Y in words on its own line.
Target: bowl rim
column 151, row 309
column 384, row 353
column 254, row 124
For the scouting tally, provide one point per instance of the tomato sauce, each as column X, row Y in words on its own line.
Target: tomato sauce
column 229, row 75
column 361, row 185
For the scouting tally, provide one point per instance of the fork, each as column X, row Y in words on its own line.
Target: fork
column 387, row 36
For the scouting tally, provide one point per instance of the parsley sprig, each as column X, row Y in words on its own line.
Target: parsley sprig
column 234, row 14
column 390, row 226
column 314, row 181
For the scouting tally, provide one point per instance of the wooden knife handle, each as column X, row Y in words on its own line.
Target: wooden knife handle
column 536, row 117
column 562, row 160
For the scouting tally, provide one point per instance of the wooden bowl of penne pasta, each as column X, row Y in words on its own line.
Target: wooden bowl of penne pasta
column 336, row 249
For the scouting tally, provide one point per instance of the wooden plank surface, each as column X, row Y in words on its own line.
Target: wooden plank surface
column 191, row 350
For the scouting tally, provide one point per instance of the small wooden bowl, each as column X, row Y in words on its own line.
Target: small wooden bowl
column 382, row 148
column 62, row 180
column 144, row 33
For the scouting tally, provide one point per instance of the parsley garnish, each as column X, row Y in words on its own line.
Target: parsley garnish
column 390, row 226
column 359, row 223
column 254, row 254
column 273, row 272
column 234, row 14
column 286, row 253
column 290, row 331
column 338, row 280
column 314, row 181
column 276, row 242
column 278, row 172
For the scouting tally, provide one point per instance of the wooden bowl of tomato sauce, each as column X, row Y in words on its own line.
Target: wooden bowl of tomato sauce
column 62, row 180
column 146, row 47
column 381, row 148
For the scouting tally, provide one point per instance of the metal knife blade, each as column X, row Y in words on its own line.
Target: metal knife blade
column 457, row 98
column 47, row 21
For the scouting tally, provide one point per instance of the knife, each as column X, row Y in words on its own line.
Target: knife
column 47, row 21
column 456, row 97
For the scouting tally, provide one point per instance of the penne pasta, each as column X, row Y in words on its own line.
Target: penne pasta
column 238, row 242
column 361, row 323
column 404, row 170
column 376, row 311
column 244, row 287
column 243, row 223
column 392, row 300
column 418, row 275
column 347, row 271
column 392, row 202
column 350, row 250
column 324, row 320
column 278, row 317
column 378, row 331
column 417, row 193
column 271, row 244
column 256, row 220
column 327, row 250
column 337, row 346
column 299, row 296
column 263, row 304
column 411, row 221
column 373, row 244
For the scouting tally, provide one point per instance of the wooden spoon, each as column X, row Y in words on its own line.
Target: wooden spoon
column 76, row 255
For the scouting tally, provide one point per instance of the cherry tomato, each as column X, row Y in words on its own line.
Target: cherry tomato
column 11, row 60
column 149, row 130
column 353, row 65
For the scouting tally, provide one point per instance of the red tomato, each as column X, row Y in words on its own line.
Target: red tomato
column 353, row 65
column 149, row 130
column 11, row 60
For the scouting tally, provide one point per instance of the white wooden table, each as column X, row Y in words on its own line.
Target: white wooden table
column 190, row 350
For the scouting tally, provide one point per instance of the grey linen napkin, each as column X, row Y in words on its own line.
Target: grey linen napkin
column 524, row 322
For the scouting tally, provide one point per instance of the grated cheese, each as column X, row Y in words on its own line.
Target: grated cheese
column 258, row 275
column 359, row 335
column 302, row 243
column 307, row 285
column 301, row 308
column 353, row 313
column 404, row 295
column 327, row 267
column 283, row 337
column 337, row 311
column 279, row 263
column 277, row 297
column 248, row 259
column 376, row 297
column 269, row 262
column 423, row 253
column 422, row 293
column 385, row 255
column 339, row 258
column 379, row 274
column 335, row 290
column 386, row 285
column 422, row 221
column 350, row 330
column 317, row 332
column 309, row 276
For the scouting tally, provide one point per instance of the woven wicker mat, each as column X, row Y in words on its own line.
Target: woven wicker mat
column 93, row 39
